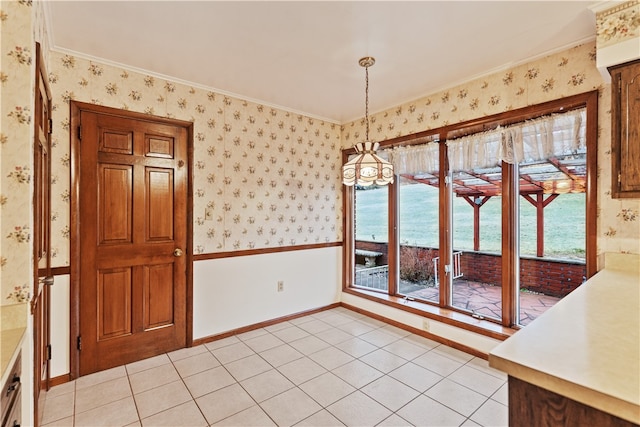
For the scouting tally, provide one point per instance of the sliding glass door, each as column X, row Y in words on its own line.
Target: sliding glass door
column 418, row 228
column 475, row 271
column 502, row 231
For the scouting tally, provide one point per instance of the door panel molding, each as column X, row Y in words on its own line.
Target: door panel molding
column 157, row 281
column 159, row 199
column 114, row 285
column 114, row 191
column 158, row 150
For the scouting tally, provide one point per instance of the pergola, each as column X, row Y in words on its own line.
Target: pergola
column 552, row 177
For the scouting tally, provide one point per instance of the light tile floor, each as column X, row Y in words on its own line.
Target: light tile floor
column 332, row 368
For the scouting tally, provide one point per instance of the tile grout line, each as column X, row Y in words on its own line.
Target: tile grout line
column 133, row 396
column 334, row 327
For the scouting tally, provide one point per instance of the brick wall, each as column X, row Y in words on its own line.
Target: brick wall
column 481, row 267
column 551, row 277
column 547, row 276
column 382, row 247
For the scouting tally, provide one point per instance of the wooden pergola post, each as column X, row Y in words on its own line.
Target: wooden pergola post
column 540, row 203
column 476, row 203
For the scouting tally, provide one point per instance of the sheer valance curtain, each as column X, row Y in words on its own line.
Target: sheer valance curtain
column 556, row 135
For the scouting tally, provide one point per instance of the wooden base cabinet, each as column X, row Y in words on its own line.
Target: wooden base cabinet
column 11, row 397
column 625, row 130
column 15, row 416
column 531, row 406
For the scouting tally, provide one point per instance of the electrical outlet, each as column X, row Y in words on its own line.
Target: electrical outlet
column 425, row 324
column 280, row 286
column 208, row 214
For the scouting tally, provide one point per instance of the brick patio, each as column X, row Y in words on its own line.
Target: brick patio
column 484, row 299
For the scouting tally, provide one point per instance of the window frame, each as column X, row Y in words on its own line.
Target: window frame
column 510, row 258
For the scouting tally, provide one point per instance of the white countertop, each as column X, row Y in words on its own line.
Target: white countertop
column 11, row 341
column 586, row 347
column 12, row 328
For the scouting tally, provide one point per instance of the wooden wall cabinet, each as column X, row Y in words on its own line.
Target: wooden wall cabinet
column 625, row 130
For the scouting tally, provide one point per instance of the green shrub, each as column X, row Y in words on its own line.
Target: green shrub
column 416, row 264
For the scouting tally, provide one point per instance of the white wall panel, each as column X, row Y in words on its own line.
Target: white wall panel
column 60, row 326
column 230, row 293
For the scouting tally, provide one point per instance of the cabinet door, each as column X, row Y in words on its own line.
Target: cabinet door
column 625, row 138
column 15, row 417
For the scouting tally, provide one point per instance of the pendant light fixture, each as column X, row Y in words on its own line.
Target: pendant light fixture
column 367, row 168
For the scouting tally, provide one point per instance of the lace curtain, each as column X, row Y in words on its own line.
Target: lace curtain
column 539, row 139
column 415, row 159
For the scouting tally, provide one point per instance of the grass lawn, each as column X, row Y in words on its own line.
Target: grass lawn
column 564, row 219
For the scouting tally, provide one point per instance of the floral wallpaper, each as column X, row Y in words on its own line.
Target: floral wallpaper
column 618, row 24
column 17, row 65
column 263, row 177
column 566, row 73
column 569, row 72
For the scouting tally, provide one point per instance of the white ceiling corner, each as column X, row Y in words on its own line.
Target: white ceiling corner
column 303, row 56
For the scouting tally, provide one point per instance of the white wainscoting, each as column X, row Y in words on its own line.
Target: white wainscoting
column 229, row 293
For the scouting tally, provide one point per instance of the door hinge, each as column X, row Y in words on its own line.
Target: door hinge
column 48, row 351
column 80, row 132
column 619, row 83
column 79, row 343
column 619, row 178
column 447, row 268
column 50, row 126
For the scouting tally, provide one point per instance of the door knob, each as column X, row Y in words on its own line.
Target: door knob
column 177, row 252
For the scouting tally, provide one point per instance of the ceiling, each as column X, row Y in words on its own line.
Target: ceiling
column 303, row 55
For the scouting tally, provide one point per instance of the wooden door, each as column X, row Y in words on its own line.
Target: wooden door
column 132, row 200
column 40, row 304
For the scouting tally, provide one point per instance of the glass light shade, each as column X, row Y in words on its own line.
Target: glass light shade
column 367, row 168
column 563, row 186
